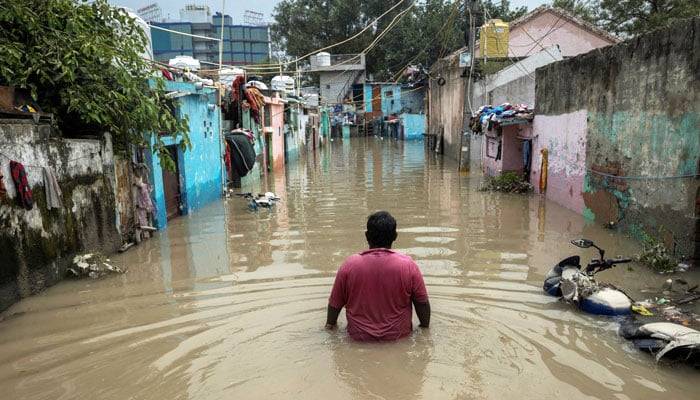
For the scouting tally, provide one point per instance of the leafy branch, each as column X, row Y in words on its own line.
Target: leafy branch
column 83, row 61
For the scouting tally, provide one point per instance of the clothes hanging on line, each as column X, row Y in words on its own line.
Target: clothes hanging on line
column 53, row 190
column 24, row 192
column 144, row 205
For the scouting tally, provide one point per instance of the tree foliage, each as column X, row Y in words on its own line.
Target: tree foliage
column 430, row 29
column 501, row 10
column 83, row 62
column 633, row 17
column 587, row 10
column 630, row 17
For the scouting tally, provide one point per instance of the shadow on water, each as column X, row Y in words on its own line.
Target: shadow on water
column 230, row 304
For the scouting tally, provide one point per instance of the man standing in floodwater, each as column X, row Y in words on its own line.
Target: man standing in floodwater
column 377, row 288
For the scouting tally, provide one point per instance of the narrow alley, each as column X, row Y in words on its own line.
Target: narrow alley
column 230, row 303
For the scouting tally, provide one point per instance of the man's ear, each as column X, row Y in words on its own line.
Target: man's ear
column 367, row 236
column 394, row 236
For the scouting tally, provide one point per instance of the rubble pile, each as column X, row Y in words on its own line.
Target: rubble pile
column 93, row 265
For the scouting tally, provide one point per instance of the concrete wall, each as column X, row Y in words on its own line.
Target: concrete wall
column 201, row 173
column 276, row 132
column 367, row 94
column 413, row 100
column 639, row 107
column 38, row 245
column 391, row 99
column 514, row 84
column 335, row 85
column 446, row 105
column 404, row 99
column 511, row 149
column 413, row 126
column 565, row 138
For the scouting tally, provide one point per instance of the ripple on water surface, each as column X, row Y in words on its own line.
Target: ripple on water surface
column 231, row 304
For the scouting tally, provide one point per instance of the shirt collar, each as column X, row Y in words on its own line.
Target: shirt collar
column 378, row 249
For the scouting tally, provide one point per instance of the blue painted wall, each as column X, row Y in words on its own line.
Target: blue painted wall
column 403, row 99
column 200, row 166
column 391, row 99
column 368, row 98
column 413, row 126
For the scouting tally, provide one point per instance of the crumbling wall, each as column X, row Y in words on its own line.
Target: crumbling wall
column 37, row 245
column 446, row 106
column 642, row 125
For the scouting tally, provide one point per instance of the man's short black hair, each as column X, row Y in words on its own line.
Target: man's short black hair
column 381, row 230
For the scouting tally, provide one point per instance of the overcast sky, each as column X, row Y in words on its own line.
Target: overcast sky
column 235, row 8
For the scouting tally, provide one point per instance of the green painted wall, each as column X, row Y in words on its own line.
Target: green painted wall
column 643, row 131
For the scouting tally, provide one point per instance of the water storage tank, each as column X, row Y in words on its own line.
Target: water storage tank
column 493, row 39
column 283, row 83
column 185, row 62
column 323, row 59
column 227, row 75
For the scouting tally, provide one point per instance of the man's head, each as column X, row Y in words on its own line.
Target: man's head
column 381, row 230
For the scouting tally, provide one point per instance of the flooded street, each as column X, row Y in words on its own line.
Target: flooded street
column 231, row 304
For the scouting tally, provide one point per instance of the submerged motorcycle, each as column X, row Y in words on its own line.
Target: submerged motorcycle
column 665, row 340
column 568, row 281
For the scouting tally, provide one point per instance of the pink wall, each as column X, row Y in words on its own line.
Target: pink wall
column 276, row 131
column 511, row 150
column 564, row 136
column 548, row 28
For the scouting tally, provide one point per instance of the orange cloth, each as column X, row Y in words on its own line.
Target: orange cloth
column 543, row 170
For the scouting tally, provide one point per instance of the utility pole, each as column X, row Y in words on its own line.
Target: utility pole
column 472, row 9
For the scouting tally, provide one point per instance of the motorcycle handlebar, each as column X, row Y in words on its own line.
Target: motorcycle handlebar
column 599, row 265
column 619, row 261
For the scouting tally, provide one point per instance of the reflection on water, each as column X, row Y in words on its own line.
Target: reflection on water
column 231, row 304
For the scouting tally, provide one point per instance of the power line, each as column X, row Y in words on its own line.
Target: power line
column 160, row 28
column 368, row 26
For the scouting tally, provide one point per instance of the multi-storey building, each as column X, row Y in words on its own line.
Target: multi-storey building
column 243, row 44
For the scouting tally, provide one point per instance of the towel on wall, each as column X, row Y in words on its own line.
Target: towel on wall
column 53, row 191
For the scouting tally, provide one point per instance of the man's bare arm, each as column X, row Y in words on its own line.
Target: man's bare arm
column 332, row 317
column 423, row 312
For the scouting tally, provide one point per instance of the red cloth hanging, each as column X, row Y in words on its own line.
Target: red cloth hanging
column 236, row 88
column 227, row 157
column 166, row 74
column 24, row 193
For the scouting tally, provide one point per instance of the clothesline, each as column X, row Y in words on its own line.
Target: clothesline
column 643, row 177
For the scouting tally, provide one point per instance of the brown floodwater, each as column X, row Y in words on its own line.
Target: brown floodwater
column 230, row 304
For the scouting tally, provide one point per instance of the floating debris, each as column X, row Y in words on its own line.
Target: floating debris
column 656, row 256
column 93, row 266
column 509, row 182
column 264, row 200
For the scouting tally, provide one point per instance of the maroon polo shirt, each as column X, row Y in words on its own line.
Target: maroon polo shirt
column 377, row 287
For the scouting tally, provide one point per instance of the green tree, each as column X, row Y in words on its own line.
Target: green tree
column 83, row 62
column 632, row 17
column 587, row 10
column 432, row 28
column 501, row 9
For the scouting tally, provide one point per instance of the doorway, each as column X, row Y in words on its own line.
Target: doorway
column 171, row 186
column 376, row 101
